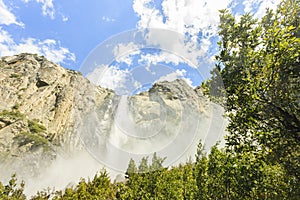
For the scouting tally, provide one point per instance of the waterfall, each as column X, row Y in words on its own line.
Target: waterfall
column 141, row 126
column 123, row 127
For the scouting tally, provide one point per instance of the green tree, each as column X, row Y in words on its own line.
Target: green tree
column 131, row 169
column 259, row 62
column 100, row 187
column 143, row 167
column 170, row 185
column 12, row 191
column 259, row 65
column 216, row 173
column 200, row 173
column 131, row 188
column 157, row 162
column 190, row 188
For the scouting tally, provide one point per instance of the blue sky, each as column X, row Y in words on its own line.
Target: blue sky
column 69, row 32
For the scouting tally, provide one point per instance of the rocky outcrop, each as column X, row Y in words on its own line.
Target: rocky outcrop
column 35, row 89
column 48, row 111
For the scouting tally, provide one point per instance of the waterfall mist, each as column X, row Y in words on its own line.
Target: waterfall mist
column 124, row 127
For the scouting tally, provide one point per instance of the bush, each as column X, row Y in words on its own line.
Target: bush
column 14, row 75
column 36, row 140
column 36, row 127
column 14, row 114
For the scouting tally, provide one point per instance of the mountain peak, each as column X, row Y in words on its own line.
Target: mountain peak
column 176, row 89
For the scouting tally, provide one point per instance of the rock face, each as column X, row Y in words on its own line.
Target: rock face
column 48, row 111
column 34, row 90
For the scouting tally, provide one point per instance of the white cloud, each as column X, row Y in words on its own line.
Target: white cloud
column 154, row 59
column 263, row 5
column 107, row 19
column 49, row 48
column 178, row 74
column 109, row 77
column 176, row 44
column 7, row 17
column 189, row 19
column 149, row 17
column 125, row 52
column 47, row 7
column 64, row 18
column 184, row 17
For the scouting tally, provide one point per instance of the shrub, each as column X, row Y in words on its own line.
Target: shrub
column 14, row 75
column 36, row 140
column 14, row 114
column 36, row 127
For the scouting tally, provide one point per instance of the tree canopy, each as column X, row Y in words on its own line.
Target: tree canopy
column 259, row 63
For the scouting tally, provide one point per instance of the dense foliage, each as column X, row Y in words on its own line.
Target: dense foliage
column 220, row 175
column 260, row 67
column 259, row 64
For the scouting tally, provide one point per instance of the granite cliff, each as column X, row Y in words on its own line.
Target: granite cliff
column 40, row 111
column 47, row 111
